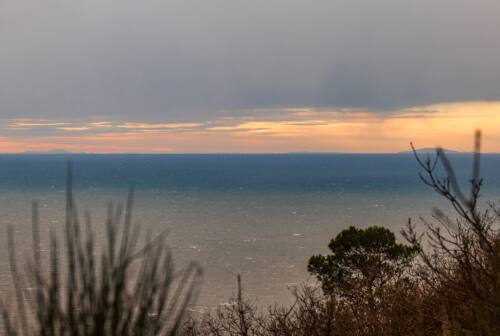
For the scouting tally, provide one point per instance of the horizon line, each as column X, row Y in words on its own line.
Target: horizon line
column 420, row 151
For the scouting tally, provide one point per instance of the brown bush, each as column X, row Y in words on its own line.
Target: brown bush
column 454, row 287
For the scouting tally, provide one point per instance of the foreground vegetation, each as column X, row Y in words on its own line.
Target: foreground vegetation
column 120, row 288
column 442, row 281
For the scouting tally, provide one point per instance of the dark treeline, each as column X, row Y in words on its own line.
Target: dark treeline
column 444, row 280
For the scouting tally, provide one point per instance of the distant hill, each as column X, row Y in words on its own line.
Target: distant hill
column 432, row 150
column 52, row 151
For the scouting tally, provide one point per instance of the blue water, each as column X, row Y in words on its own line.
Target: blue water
column 288, row 173
column 258, row 215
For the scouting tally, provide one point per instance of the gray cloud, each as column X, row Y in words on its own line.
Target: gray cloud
column 182, row 60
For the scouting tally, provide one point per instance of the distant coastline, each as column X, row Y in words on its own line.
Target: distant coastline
column 426, row 150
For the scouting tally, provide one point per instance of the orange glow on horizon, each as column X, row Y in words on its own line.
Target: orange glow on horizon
column 449, row 125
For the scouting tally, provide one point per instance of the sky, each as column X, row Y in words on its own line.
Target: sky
column 202, row 76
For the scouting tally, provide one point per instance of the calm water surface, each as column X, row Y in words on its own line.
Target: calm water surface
column 258, row 215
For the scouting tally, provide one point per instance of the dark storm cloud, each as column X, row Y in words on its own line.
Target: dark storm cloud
column 181, row 60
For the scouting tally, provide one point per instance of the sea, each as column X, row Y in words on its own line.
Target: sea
column 258, row 215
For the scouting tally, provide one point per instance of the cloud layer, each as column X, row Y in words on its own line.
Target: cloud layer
column 193, row 61
column 273, row 130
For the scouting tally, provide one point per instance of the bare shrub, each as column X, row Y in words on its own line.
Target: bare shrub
column 453, row 288
column 125, row 288
column 460, row 256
